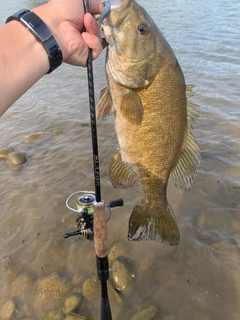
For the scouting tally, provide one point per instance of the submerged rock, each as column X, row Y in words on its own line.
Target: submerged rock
column 8, row 260
column 52, row 287
column 36, row 136
column 91, row 289
column 221, row 219
column 16, row 157
column 117, row 250
column 53, row 315
column 74, row 316
column 113, row 295
column 4, row 153
column 168, row 317
column 71, row 303
column 234, row 186
column 41, row 135
column 218, row 247
column 20, row 283
column 122, row 275
column 57, row 133
column 7, row 310
column 144, row 312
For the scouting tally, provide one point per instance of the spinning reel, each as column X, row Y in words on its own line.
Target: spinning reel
column 85, row 211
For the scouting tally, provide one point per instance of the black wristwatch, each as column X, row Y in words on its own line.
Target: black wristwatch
column 42, row 33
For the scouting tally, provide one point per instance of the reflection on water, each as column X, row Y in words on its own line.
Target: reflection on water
column 197, row 280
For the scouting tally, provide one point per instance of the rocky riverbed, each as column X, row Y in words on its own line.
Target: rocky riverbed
column 56, row 298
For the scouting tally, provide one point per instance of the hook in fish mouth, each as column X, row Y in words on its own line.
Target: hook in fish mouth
column 121, row 4
column 105, row 12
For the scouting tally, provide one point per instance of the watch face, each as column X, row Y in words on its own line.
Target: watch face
column 37, row 26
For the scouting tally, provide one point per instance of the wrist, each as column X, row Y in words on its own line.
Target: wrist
column 41, row 32
column 51, row 20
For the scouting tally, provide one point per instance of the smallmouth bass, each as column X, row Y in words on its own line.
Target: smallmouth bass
column 147, row 93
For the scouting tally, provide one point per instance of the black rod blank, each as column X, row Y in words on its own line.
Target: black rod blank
column 102, row 262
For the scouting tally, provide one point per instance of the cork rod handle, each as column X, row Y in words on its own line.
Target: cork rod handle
column 100, row 229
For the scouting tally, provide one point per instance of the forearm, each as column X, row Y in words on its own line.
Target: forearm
column 23, row 61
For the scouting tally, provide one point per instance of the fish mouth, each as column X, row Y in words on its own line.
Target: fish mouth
column 115, row 16
column 118, row 7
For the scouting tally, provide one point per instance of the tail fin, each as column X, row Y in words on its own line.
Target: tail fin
column 150, row 225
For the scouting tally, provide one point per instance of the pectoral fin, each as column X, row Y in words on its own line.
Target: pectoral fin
column 120, row 174
column 104, row 106
column 131, row 107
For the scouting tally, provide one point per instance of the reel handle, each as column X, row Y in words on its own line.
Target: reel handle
column 115, row 203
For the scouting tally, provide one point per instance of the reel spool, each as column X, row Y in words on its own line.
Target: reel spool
column 85, row 217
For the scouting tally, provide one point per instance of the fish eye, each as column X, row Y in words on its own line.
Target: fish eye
column 143, row 28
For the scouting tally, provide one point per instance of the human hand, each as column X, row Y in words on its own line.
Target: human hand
column 66, row 20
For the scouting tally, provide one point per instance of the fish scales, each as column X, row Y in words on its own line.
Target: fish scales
column 147, row 94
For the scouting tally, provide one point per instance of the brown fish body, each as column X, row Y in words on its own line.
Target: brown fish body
column 152, row 148
column 146, row 90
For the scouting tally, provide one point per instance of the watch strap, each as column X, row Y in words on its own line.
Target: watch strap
column 42, row 33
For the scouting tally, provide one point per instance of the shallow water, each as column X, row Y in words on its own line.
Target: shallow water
column 197, row 280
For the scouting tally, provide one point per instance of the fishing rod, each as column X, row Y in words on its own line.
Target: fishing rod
column 91, row 220
column 100, row 228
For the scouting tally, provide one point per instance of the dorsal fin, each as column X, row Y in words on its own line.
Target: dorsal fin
column 185, row 170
